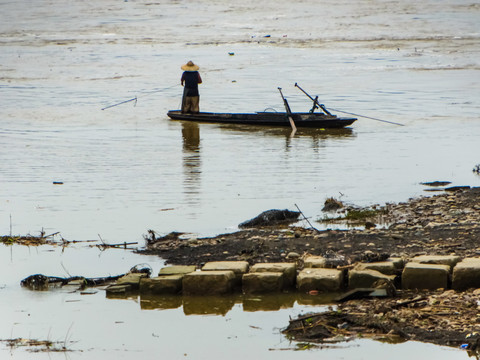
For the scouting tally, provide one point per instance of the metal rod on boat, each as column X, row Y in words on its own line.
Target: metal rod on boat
column 289, row 112
column 346, row 112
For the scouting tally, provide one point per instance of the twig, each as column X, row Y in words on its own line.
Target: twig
column 311, row 226
column 408, row 302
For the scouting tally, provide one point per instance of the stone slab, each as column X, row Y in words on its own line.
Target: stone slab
column 365, row 278
column 324, row 280
column 238, row 267
column 466, row 274
column 384, row 267
column 131, row 279
column 167, row 284
column 450, row 260
column 177, row 270
column 425, row 276
column 118, row 289
column 289, row 271
column 262, row 282
column 211, row 282
column 315, row 262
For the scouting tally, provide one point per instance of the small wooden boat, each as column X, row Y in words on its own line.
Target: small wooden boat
column 304, row 119
column 323, row 120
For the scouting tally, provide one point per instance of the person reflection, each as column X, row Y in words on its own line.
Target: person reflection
column 191, row 161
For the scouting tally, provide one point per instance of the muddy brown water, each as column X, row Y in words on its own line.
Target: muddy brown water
column 128, row 169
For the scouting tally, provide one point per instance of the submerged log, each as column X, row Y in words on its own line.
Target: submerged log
column 42, row 282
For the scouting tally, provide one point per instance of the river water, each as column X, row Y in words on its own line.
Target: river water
column 128, row 168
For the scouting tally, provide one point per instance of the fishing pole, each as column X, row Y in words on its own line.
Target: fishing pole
column 136, row 97
column 346, row 112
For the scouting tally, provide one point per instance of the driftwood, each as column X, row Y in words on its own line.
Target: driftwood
column 270, row 218
column 42, row 282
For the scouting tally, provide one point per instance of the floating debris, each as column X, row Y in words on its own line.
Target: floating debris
column 436, row 183
column 332, row 204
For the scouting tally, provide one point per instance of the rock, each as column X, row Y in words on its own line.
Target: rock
column 270, row 218
column 292, row 255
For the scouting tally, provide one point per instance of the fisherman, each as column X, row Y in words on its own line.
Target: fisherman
column 191, row 78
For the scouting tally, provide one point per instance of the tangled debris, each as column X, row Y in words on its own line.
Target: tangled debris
column 34, row 345
column 43, row 282
column 29, row 240
column 440, row 317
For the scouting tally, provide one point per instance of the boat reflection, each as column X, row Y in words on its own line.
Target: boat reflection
column 191, row 161
column 319, row 137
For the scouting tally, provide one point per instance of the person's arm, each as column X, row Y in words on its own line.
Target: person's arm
column 182, row 79
column 199, row 78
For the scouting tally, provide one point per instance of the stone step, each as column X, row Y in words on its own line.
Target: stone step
column 212, row 282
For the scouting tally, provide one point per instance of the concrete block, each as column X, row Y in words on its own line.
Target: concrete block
column 425, row 276
column 364, row 278
column 118, row 289
column 262, row 282
column 177, row 270
column 238, row 267
column 384, row 267
column 289, row 271
column 466, row 274
column 450, row 260
column 168, row 284
column 319, row 279
column 315, row 262
column 131, row 279
column 208, row 282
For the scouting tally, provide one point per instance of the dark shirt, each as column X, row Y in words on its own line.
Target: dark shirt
column 191, row 79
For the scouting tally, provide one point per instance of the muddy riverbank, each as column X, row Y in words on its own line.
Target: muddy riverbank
column 443, row 224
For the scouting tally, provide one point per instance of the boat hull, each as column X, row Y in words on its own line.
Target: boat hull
column 305, row 120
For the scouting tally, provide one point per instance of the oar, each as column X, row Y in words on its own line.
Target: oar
column 346, row 112
column 289, row 112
